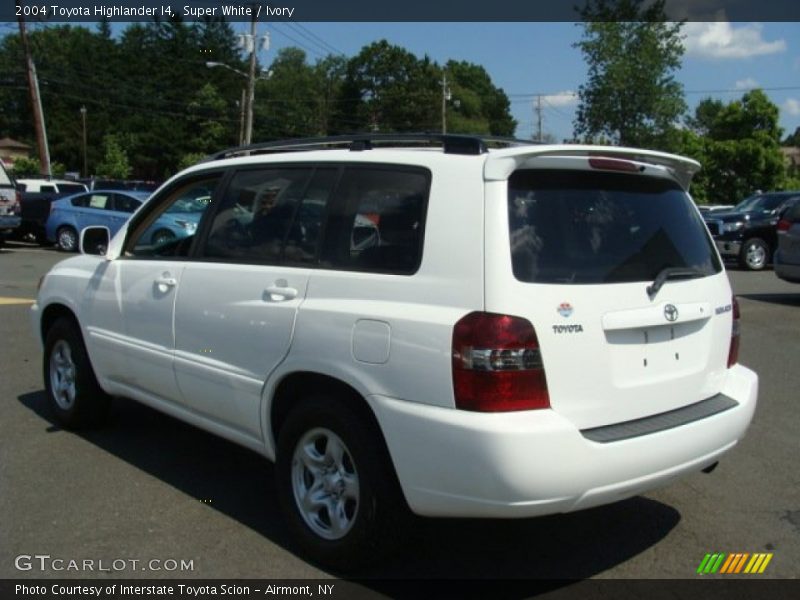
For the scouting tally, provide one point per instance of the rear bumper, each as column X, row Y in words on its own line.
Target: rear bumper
column 462, row 464
column 787, row 271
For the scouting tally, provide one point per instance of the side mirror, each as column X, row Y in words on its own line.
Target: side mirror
column 94, row 240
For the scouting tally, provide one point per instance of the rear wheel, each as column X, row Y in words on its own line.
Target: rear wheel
column 73, row 393
column 754, row 255
column 67, row 239
column 336, row 485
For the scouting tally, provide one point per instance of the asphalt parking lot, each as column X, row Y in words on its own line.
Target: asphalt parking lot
column 149, row 488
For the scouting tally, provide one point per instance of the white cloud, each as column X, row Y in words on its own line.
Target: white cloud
column 561, row 98
column 723, row 40
column 746, row 84
column 792, row 106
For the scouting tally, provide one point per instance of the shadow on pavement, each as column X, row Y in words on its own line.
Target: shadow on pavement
column 561, row 547
column 783, row 299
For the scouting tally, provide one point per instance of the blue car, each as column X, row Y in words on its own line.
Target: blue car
column 112, row 208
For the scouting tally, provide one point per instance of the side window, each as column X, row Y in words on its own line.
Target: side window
column 100, row 201
column 379, row 222
column 270, row 215
column 125, row 203
column 168, row 229
column 47, row 189
column 81, row 201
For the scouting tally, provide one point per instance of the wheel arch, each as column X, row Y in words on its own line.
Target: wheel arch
column 295, row 386
column 51, row 314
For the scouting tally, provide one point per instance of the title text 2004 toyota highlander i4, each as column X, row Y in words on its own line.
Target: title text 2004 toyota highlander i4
column 462, row 331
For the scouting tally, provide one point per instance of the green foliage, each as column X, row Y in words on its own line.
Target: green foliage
column 115, row 164
column 738, row 145
column 632, row 52
column 793, row 139
column 149, row 89
column 187, row 160
column 27, row 167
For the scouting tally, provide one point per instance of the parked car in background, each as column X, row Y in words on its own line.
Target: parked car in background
column 112, row 208
column 710, row 208
column 50, row 186
column 748, row 232
column 10, row 209
column 787, row 256
column 137, row 185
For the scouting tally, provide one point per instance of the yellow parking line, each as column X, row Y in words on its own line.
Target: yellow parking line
column 5, row 300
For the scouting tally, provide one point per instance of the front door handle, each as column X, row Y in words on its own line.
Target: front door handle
column 165, row 282
column 280, row 291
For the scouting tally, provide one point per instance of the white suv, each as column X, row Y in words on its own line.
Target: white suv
column 417, row 322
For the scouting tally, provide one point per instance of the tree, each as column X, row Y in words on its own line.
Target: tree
column 793, row 139
column 115, row 163
column 388, row 89
column 207, row 114
column 738, row 145
column 631, row 95
column 483, row 108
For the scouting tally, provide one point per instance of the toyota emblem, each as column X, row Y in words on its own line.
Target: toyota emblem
column 671, row 313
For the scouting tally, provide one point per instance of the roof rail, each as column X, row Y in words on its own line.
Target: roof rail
column 451, row 143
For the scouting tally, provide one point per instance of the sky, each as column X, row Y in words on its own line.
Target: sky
column 722, row 60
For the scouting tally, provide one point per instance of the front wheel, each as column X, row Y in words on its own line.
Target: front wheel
column 73, row 393
column 754, row 255
column 336, row 485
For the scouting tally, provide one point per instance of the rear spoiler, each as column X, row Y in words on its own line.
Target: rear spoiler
column 501, row 163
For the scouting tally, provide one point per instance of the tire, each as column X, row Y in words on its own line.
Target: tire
column 162, row 236
column 755, row 254
column 67, row 239
column 318, row 435
column 73, row 394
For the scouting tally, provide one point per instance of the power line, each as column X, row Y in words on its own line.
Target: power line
column 314, row 38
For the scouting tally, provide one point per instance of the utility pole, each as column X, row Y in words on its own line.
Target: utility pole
column 85, row 161
column 251, row 84
column 242, row 111
column 36, row 99
column 446, row 95
column 538, row 110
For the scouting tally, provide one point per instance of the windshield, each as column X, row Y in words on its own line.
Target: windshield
column 591, row 227
column 4, row 179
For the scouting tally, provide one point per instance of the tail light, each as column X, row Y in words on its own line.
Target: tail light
column 497, row 365
column 784, row 225
column 733, row 351
column 17, row 209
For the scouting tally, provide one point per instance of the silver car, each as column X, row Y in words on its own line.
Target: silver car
column 787, row 256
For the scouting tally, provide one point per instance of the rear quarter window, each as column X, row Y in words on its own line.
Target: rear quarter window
column 586, row 227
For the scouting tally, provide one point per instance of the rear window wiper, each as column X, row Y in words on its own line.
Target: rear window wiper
column 672, row 273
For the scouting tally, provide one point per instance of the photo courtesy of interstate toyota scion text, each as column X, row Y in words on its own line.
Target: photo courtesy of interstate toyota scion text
column 446, row 326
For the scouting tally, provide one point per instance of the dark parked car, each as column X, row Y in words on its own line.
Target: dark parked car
column 748, row 232
column 9, row 205
column 787, row 257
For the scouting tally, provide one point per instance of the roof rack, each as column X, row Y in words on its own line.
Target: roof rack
column 451, row 143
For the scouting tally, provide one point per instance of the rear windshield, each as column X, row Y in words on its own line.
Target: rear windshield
column 71, row 188
column 587, row 227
